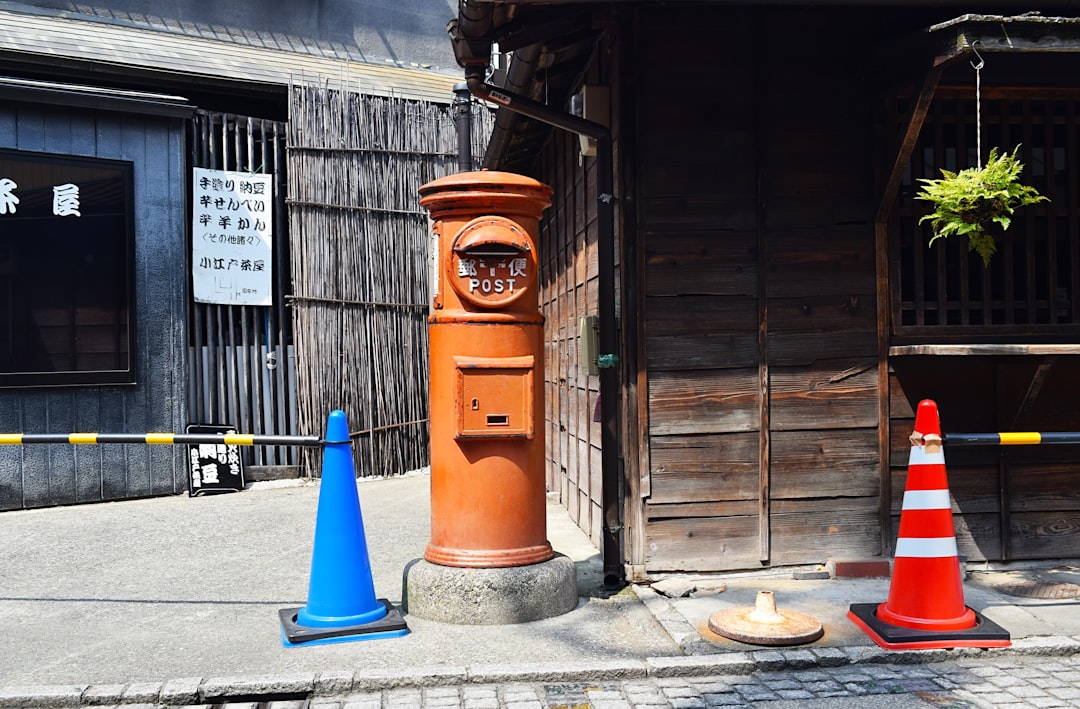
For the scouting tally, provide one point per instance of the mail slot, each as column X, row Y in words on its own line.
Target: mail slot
column 485, row 333
column 496, row 397
column 492, row 262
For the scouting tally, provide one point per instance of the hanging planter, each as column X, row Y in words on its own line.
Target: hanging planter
column 969, row 202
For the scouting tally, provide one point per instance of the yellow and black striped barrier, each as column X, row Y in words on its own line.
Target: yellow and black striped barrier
column 1016, row 438
column 168, row 439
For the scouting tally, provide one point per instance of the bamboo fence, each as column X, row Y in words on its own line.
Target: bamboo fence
column 359, row 246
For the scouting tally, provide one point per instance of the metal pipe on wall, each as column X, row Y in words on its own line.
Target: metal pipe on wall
column 611, row 548
column 463, row 125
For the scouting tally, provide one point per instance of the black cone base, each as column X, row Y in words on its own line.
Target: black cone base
column 985, row 633
column 391, row 625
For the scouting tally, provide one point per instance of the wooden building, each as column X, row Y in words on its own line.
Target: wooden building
column 344, row 111
column 765, row 282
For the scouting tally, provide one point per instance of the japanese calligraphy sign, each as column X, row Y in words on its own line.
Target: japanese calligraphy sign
column 67, row 260
column 214, row 467
column 232, row 235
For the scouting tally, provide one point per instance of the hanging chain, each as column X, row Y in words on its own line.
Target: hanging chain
column 978, row 105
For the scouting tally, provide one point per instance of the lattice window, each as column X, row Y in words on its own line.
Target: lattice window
column 1032, row 286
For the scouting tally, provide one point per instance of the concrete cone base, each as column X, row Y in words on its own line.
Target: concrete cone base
column 514, row 594
column 765, row 625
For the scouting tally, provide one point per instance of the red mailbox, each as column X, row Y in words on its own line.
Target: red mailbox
column 488, row 505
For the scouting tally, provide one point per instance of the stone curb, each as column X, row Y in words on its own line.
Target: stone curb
column 191, row 690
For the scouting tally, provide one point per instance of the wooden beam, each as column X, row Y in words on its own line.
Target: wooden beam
column 1037, row 381
column 764, row 411
column 762, row 192
column 881, row 241
column 914, row 122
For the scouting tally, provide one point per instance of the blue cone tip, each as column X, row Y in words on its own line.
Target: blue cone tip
column 337, row 427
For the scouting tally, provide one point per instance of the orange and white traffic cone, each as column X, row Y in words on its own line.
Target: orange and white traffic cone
column 925, row 608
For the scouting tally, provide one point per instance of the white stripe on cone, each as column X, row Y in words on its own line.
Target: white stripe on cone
column 926, row 547
column 927, row 500
column 919, row 456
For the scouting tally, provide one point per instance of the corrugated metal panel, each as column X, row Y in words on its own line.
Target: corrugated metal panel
column 120, row 46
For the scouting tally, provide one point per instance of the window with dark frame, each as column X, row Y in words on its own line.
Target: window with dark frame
column 1032, row 285
column 66, row 270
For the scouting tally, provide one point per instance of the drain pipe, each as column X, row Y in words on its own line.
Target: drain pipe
column 611, row 548
column 463, row 124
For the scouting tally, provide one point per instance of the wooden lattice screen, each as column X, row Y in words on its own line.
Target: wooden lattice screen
column 360, row 264
column 1032, row 286
column 240, row 359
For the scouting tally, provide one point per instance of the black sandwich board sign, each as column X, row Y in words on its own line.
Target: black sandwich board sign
column 214, row 467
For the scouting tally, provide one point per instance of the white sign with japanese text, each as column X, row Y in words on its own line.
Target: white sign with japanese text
column 232, row 237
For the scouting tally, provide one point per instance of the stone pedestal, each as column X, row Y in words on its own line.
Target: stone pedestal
column 499, row 596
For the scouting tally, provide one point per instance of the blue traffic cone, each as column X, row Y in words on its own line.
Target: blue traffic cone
column 341, row 595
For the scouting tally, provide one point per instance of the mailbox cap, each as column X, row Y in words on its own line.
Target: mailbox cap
column 486, row 191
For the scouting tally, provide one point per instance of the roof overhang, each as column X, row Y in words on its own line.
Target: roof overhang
column 918, row 59
column 1028, row 33
column 54, row 45
column 93, row 97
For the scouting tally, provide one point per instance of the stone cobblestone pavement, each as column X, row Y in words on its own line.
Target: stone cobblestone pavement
column 966, row 681
column 1004, row 682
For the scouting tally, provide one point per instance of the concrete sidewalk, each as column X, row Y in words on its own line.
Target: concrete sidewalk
column 129, row 601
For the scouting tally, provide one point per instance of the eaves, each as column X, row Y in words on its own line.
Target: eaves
column 102, row 48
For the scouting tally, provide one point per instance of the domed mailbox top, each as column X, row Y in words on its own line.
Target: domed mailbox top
column 485, row 192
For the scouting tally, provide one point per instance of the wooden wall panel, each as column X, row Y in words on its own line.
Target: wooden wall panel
column 701, row 543
column 709, row 401
column 1045, row 487
column 810, row 530
column 832, row 464
column 822, row 313
column 712, row 351
column 1044, row 535
column 758, row 219
column 700, row 263
column 568, row 293
column 792, row 349
column 813, row 399
column 838, row 260
column 699, row 315
column 978, row 536
column 706, row 453
column 34, row 476
column 679, row 486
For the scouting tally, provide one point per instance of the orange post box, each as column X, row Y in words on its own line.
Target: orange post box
column 485, row 330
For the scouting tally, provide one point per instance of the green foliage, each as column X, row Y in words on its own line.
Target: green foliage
column 966, row 203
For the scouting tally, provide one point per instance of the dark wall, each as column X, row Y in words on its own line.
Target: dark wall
column 39, row 475
column 755, row 196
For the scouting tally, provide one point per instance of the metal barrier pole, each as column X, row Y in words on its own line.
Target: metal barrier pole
column 229, row 439
column 1015, row 438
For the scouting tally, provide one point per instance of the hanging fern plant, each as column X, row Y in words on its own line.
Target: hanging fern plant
column 968, row 202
